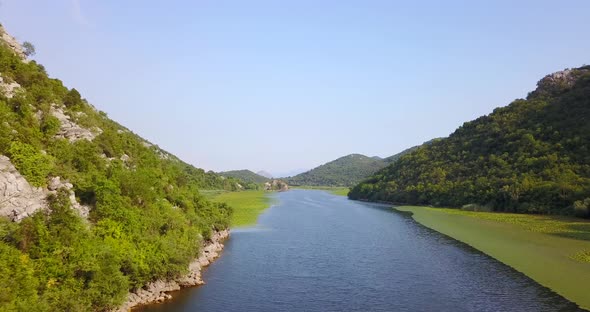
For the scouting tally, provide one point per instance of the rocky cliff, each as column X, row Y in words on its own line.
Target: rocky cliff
column 88, row 209
column 12, row 43
column 18, row 199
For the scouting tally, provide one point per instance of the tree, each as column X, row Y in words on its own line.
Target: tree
column 29, row 48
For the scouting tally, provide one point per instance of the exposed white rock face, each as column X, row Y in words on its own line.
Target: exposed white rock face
column 157, row 291
column 18, row 199
column 12, row 43
column 559, row 81
column 125, row 158
column 8, row 88
column 147, row 144
column 565, row 76
column 55, row 184
column 71, row 130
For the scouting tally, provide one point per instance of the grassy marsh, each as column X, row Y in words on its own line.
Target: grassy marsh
column 554, row 251
column 247, row 205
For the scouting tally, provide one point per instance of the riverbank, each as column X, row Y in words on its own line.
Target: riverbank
column 549, row 250
column 247, row 205
column 336, row 190
column 158, row 291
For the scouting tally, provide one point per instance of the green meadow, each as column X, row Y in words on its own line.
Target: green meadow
column 554, row 251
column 247, row 205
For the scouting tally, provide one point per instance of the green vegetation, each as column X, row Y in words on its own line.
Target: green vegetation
column 251, row 180
column 29, row 48
column 531, row 156
column 394, row 158
column 530, row 244
column 341, row 191
column 30, row 162
column 246, row 205
column 344, row 171
column 147, row 220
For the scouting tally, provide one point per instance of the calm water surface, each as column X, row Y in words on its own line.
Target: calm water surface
column 314, row 251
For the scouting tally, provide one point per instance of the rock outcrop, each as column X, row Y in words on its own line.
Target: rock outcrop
column 276, row 185
column 55, row 184
column 558, row 82
column 158, row 291
column 8, row 88
column 71, row 130
column 12, row 43
column 18, row 199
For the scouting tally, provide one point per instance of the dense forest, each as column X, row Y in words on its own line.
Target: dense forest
column 344, row 171
column 250, row 179
column 531, row 156
column 391, row 159
column 146, row 221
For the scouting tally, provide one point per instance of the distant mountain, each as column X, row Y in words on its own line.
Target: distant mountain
column 265, row 174
column 531, row 156
column 344, row 171
column 245, row 175
column 290, row 173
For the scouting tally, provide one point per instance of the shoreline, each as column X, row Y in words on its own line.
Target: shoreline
column 158, row 291
column 530, row 253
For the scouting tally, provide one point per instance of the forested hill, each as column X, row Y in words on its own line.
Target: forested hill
column 530, row 156
column 393, row 158
column 245, row 176
column 344, row 171
column 88, row 209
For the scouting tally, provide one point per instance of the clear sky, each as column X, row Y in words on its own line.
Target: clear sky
column 285, row 85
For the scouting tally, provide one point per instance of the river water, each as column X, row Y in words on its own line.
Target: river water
column 314, row 251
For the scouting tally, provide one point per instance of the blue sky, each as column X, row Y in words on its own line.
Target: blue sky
column 285, row 85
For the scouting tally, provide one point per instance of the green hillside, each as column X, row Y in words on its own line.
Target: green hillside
column 344, row 171
column 245, row 176
column 530, row 156
column 393, row 158
column 146, row 219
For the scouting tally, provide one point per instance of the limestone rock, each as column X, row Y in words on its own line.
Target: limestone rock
column 557, row 82
column 12, row 43
column 18, row 199
column 8, row 88
column 55, row 184
column 71, row 130
column 157, row 291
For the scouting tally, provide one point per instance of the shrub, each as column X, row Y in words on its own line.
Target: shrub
column 31, row 163
column 50, row 126
column 582, row 208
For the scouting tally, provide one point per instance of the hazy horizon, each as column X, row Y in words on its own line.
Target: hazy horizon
column 280, row 86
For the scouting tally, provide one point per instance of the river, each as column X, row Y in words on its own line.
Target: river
column 314, row 251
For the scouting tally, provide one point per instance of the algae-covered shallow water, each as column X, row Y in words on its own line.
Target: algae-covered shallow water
column 314, row 251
